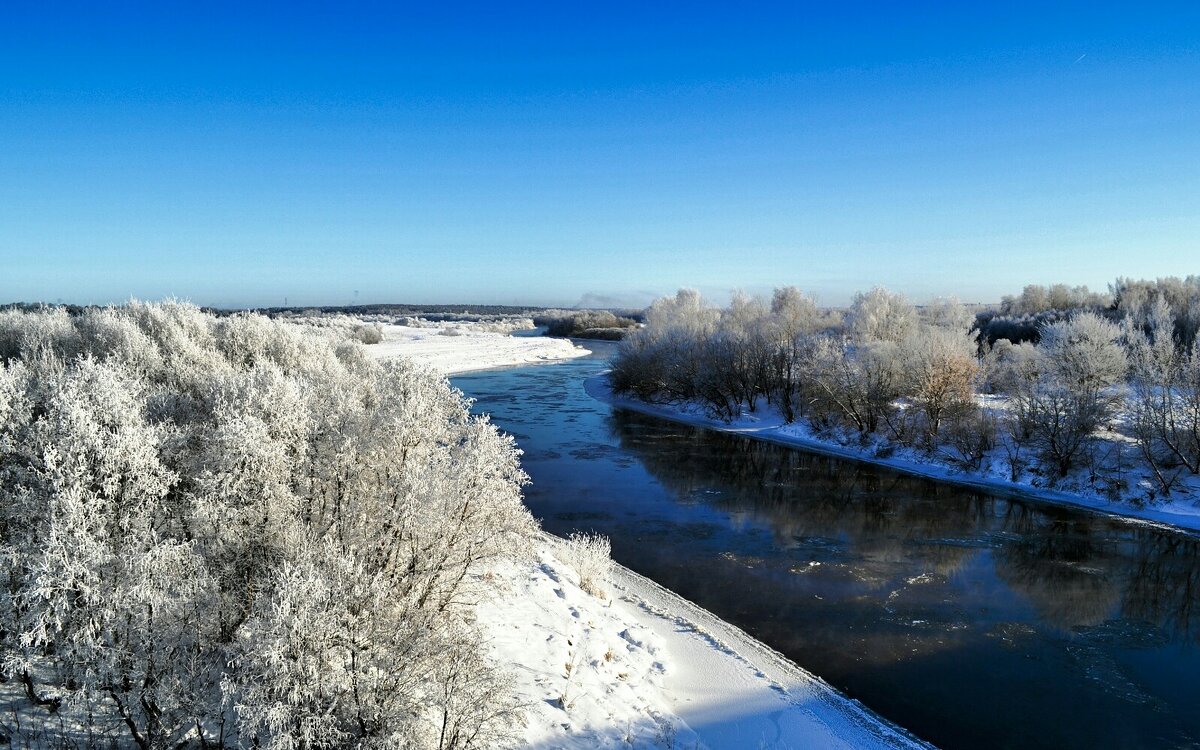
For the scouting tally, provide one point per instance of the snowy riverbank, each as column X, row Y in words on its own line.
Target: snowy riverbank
column 770, row 426
column 455, row 348
column 645, row 668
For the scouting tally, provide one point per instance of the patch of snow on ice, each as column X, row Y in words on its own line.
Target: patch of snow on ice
column 467, row 349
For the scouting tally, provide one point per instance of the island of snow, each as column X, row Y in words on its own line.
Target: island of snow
column 455, row 348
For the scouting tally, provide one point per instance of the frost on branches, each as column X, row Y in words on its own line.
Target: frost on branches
column 237, row 532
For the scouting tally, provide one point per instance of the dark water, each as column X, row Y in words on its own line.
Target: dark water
column 972, row 620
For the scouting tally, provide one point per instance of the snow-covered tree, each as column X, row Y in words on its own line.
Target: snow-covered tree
column 941, row 369
column 880, row 315
column 856, row 385
column 245, row 532
column 1165, row 395
column 948, row 312
column 795, row 318
column 1073, row 390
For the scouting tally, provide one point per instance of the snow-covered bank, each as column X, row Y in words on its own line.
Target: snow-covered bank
column 648, row 669
column 460, row 348
column 1180, row 514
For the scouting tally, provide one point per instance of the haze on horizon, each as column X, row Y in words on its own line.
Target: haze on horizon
column 242, row 156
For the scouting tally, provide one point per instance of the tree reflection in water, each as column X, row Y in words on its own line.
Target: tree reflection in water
column 1076, row 570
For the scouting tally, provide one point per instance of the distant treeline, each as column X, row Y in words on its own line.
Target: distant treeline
column 402, row 309
column 1020, row 318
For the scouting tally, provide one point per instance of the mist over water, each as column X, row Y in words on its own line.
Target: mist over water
column 971, row 619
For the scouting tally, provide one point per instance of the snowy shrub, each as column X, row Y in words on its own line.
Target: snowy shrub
column 1006, row 366
column 948, row 313
column 368, row 334
column 970, row 438
column 245, row 532
column 589, row 555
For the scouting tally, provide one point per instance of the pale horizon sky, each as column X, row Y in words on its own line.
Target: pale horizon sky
column 243, row 155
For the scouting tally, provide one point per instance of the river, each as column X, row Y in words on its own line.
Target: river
column 973, row 620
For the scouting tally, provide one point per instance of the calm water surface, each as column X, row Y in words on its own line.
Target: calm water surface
column 970, row 619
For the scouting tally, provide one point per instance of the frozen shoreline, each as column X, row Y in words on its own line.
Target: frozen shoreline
column 1181, row 516
column 646, row 668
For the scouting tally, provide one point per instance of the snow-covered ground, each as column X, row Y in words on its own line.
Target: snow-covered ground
column 644, row 668
column 1180, row 511
column 467, row 348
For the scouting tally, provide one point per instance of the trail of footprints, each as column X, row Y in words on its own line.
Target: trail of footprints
column 605, row 663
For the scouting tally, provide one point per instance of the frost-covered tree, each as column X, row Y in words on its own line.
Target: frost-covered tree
column 1035, row 299
column 245, row 532
column 880, row 315
column 949, row 313
column 794, row 320
column 941, row 369
column 1073, row 389
column 665, row 359
column 745, row 339
column 1136, row 299
column 1165, row 395
column 856, row 385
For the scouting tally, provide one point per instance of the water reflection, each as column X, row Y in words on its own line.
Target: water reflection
column 972, row 619
column 1076, row 570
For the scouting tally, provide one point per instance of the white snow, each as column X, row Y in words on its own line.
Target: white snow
column 467, row 348
column 648, row 669
column 1179, row 512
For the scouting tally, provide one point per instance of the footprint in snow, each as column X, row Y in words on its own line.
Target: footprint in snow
column 550, row 573
column 628, row 638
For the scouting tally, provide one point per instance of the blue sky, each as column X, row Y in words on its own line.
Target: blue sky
column 238, row 154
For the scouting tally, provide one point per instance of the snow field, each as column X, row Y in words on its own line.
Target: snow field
column 466, row 348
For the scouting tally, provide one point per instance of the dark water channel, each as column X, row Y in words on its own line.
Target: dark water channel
column 973, row 620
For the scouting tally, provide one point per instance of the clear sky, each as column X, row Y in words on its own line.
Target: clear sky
column 554, row 153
